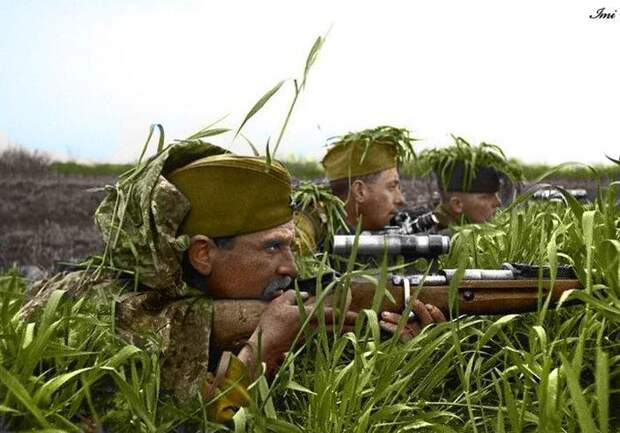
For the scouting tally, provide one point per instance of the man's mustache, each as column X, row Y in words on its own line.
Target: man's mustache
column 278, row 283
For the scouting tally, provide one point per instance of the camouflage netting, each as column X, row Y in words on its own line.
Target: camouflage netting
column 141, row 214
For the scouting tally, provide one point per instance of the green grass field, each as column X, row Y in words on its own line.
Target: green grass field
column 556, row 370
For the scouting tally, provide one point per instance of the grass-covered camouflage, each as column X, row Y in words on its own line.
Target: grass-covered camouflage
column 400, row 137
column 323, row 216
column 140, row 217
column 444, row 161
column 183, row 330
column 179, row 329
column 368, row 151
column 140, row 271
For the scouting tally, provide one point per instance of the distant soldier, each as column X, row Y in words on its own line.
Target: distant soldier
column 362, row 169
column 469, row 180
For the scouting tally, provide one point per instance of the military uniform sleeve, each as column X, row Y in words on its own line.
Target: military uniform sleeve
column 184, row 329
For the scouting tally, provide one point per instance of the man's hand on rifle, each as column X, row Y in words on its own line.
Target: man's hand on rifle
column 423, row 315
column 278, row 327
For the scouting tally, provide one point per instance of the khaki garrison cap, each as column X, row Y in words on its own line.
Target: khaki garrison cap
column 233, row 195
column 368, row 151
column 359, row 158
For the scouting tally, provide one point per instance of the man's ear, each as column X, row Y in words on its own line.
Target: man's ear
column 359, row 191
column 455, row 204
column 200, row 254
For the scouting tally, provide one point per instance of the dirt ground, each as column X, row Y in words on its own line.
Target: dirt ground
column 46, row 218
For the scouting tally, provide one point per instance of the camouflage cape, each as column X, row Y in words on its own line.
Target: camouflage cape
column 141, row 268
column 140, row 216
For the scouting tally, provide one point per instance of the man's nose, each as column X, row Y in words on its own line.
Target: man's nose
column 400, row 198
column 287, row 265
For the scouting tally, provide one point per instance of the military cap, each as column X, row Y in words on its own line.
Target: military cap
column 366, row 152
column 484, row 179
column 232, row 195
column 466, row 168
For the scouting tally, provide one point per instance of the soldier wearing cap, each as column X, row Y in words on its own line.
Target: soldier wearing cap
column 469, row 181
column 362, row 169
column 475, row 203
column 194, row 224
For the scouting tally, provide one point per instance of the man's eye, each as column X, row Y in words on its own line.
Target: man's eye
column 273, row 246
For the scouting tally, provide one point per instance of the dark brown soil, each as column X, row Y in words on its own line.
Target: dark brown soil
column 44, row 217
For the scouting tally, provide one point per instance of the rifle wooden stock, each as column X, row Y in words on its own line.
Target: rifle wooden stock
column 235, row 320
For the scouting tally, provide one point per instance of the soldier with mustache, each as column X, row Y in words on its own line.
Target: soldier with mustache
column 194, row 224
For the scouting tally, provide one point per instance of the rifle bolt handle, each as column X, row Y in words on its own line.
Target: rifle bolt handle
column 468, row 295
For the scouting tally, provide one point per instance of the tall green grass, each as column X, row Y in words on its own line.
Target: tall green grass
column 556, row 370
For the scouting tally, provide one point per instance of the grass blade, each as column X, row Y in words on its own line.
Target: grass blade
column 584, row 417
column 258, row 105
column 15, row 387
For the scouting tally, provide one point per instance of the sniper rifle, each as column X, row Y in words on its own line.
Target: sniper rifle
column 515, row 288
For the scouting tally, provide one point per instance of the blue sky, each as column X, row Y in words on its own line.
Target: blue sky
column 85, row 79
